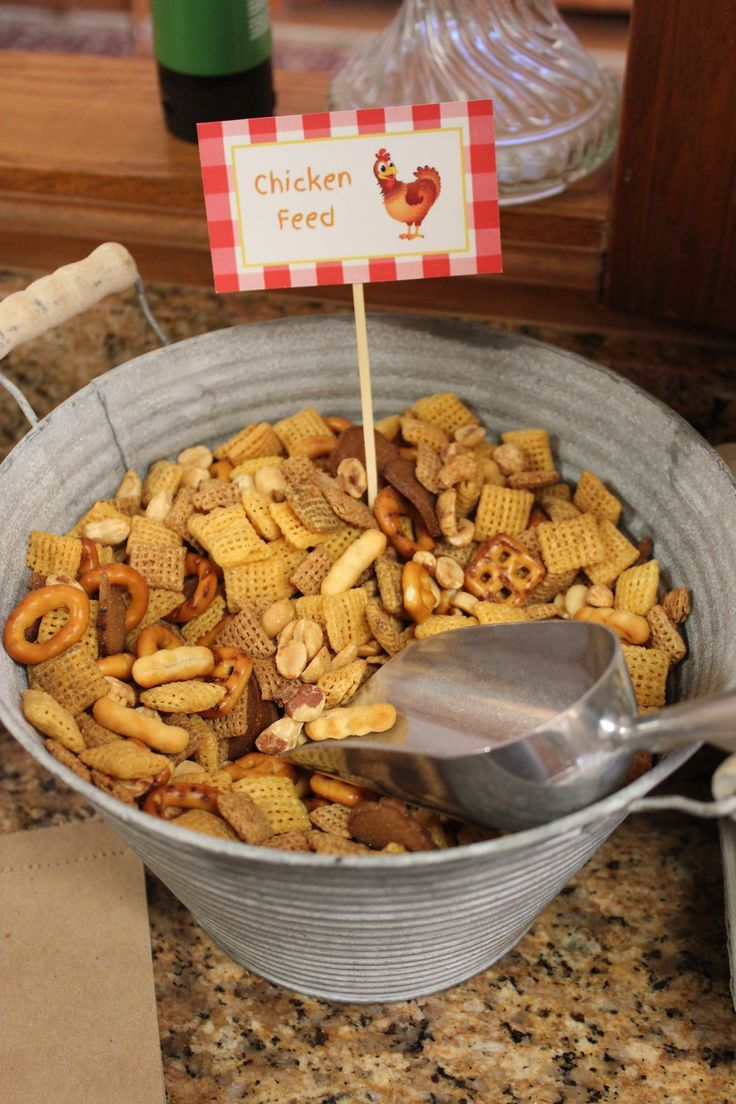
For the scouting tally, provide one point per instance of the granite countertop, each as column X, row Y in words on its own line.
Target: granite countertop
column 618, row 992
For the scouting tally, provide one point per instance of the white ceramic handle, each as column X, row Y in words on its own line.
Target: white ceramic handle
column 70, row 290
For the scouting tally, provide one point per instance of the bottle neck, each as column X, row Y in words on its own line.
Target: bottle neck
column 212, row 38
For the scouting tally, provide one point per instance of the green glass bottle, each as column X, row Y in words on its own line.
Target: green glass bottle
column 214, row 61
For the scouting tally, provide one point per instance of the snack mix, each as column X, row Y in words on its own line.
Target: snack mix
column 230, row 605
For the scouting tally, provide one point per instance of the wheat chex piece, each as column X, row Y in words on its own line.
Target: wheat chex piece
column 311, row 571
column 234, row 723
column 68, row 758
column 636, row 588
column 124, row 759
column 345, row 618
column 385, row 627
column 250, row 467
column 204, row 622
column 94, row 734
column 333, row 819
column 648, row 669
column 325, row 843
column 246, row 632
column 72, row 678
column 443, row 622
column 122, row 789
column 305, row 497
column 260, row 583
column 228, row 536
column 290, row 841
column 664, row 634
column 462, row 556
column 388, row 574
column 340, row 686
column 150, row 531
column 427, row 467
column 197, row 728
column 163, row 475
column 257, row 510
column 189, row 696
column 306, row 423
column 250, row 443
column 570, row 544
column 312, row 606
column 197, row 820
column 535, row 443
column 297, row 534
column 160, row 565
column 618, row 554
column 445, row 410
column 52, row 719
column 98, row 511
column 337, row 543
column 351, row 511
column 495, row 613
column 592, row 497
column 502, row 510
column 49, row 554
column 552, row 584
column 52, row 621
column 276, row 797
column 160, row 603
column 267, row 676
column 556, row 491
column 213, row 493
column 530, row 539
column 246, row 818
column 182, row 509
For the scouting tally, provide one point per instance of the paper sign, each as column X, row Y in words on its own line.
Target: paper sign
column 346, row 197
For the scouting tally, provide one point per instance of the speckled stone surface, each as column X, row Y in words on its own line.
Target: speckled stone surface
column 619, row 991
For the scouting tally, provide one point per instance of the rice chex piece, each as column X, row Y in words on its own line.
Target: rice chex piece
column 557, row 490
column 535, row 443
column 246, row 632
column 444, row 409
column 291, row 526
column 664, row 634
column 345, row 618
column 618, row 554
column 592, row 497
column 276, row 797
column 163, row 475
column 351, row 511
column 149, row 531
column 204, row 622
column 246, row 818
column 178, row 516
column 101, row 510
column 388, row 574
column 427, row 467
column 311, row 571
column 648, row 669
column 198, row 820
column 49, row 554
column 559, row 509
column 332, row 818
column 228, row 536
column 495, row 613
column 250, row 467
column 257, row 510
column 160, row 603
column 312, row 606
column 337, row 543
column 305, row 497
column 215, row 492
column 325, row 843
column 636, row 588
column 160, row 565
column 570, row 544
column 72, row 678
column 502, row 510
column 340, row 686
column 188, row 696
column 306, row 423
column 249, row 443
column 267, row 676
column 260, row 582
column 52, row 621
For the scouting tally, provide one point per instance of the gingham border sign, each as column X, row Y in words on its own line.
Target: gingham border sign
column 293, row 201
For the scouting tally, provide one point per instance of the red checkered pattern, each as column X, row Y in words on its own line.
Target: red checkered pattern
column 475, row 118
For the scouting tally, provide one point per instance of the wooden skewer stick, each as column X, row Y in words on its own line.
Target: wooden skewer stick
column 366, row 399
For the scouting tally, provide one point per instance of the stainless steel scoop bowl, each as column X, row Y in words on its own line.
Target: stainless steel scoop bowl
column 513, row 725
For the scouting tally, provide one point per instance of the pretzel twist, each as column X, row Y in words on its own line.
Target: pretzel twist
column 181, row 795
column 388, row 509
column 205, row 593
column 125, row 576
column 232, row 668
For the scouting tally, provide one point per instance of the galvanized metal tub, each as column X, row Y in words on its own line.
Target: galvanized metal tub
column 374, row 929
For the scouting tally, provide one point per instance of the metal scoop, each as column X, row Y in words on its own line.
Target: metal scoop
column 513, row 725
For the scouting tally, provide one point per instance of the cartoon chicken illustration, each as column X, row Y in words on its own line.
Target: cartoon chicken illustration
column 409, row 203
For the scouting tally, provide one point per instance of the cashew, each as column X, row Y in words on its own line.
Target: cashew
column 449, row 573
column 575, row 597
column 446, row 507
column 271, row 482
column 110, row 531
column 470, row 435
column 192, row 476
column 159, row 506
column 511, row 458
column 198, row 456
column 352, row 476
column 464, row 535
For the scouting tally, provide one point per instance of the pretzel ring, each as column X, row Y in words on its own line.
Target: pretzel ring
column 155, row 637
column 35, row 604
column 387, row 509
column 206, row 640
column 125, row 576
column 314, row 447
column 337, row 424
column 181, row 795
column 420, row 592
column 203, row 596
column 233, row 668
column 504, row 571
column 90, row 560
column 118, row 666
column 256, row 764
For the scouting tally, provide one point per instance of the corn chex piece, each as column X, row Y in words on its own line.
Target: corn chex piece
column 311, row 571
column 68, row 758
column 570, row 544
column 228, row 536
column 636, row 588
column 306, row 423
column 502, row 510
column 494, row 613
column 592, row 497
column 124, row 789
column 260, row 583
column 427, row 468
column 535, row 443
column 388, row 574
column 211, row 753
column 445, row 410
column 52, row 719
column 552, row 584
column 664, row 634
column 163, row 475
column 204, row 622
column 94, row 734
column 98, row 511
column 267, row 676
column 618, row 554
column 441, row 623
column 197, row 820
column 160, row 602
column 333, row 819
column 385, row 627
column 249, row 443
column 215, row 492
column 337, row 543
column 290, row 525
column 312, row 606
column 276, row 797
column 124, row 759
column 245, row 817
column 52, row 621
column 246, row 632
column 340, row 686
column 250, row 467
column 178, row 516
column 161, row 565
column 49, row 554
column 149, row 531
column 648, row 668
column 189, row 696
column 290, row 841
column 559, row 509
column 345, row 618
column 257, row 510
column 289, row 556
column 105, row 553
column 72, row 678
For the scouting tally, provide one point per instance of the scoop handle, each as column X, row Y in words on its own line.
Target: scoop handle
column 711, row 719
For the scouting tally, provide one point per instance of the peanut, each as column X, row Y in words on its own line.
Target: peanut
column 449, row 573
column 131, row 486
column 291, row 659
column 489, row 472
column 575, row 598
column 282, row 735
column 271, row 482
column 599, row 595
column 198, row 456
column 277, row 616
column 427, row 560
column 192, row 476
column 470, row 435
column 463, row 601
column 317, row 667
column 159, row 506
column 344, row 657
